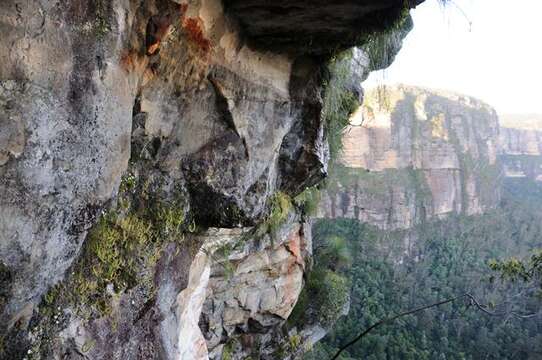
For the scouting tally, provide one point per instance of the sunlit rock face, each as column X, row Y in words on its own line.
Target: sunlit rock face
column 242, row 286
column 521, row 146
column 416, row 154
column 171, row 94
column 252, row 290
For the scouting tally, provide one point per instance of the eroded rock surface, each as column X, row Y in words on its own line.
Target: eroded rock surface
column 521, row 146
column 252, row 290
column 302, row 26
column 416, row 154
column 142, row 121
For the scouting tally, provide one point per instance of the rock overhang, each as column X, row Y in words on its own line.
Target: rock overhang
column 317, row 27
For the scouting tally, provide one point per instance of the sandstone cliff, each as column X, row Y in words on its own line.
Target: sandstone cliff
column 414, row 154
column 148, row 150
column 416, row 164
column 521, row 146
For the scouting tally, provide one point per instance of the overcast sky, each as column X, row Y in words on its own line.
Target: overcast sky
column 497, row 59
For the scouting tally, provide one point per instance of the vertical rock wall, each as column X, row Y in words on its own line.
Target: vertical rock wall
column 415, row 154
column 127, row 128
column 521, row 146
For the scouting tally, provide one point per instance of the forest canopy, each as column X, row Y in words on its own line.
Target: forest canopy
column 393, row 271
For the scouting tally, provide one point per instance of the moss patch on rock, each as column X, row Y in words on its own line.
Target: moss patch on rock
column 120, row 254
column 123, row 247
column 280, row 207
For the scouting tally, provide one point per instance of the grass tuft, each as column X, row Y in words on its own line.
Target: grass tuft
column 280, row 206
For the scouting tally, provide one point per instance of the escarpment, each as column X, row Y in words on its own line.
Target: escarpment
column 414, row 154
column 149, row 151
column 417, row 166
column 521, row 146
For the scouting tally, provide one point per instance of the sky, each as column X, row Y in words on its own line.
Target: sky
column 489, row 49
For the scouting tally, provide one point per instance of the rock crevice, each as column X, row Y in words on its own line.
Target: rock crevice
column 136, row 120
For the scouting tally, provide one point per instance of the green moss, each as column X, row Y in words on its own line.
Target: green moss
column 119, row 247
column 128, row 182
column 101, row 24
column 227, row 351
column 87, row 346
column 294, row 342
column 120, row 251
column 112, row 246
column 280, row 207
column 170, row 221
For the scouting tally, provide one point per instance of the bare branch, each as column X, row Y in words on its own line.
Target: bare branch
column 472, row 302
column 391, row 319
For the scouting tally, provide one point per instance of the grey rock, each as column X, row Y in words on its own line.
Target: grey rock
column 170, row 95
column 303, row 26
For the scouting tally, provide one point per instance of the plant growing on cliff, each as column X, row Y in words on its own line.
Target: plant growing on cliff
column 227, row 351
column 331, row 292
column 327, row 290
column 323, row 299
column 339, row 101
column 280, row 205
column 121, row 250
column 308, row 200
column 380, row 46
column 101, row 24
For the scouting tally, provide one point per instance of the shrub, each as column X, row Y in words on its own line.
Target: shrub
column 329, row 294
column 280, row 205
column 309, row 200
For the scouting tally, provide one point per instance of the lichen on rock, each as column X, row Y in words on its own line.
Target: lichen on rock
column 209, row 124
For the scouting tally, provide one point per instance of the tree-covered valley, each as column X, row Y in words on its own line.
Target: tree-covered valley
column 430, row 202
column 450, row 258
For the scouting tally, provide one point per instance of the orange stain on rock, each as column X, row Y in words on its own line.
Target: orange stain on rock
column 131, row 61
column 184, row 8
column 193, row 28
column 160, row 28
column 294, row 272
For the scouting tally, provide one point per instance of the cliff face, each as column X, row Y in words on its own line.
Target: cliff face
column 414, row 155
column 138, row 142
column 521, row 146
column 415, row 163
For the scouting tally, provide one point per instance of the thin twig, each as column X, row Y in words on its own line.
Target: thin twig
column 384, row 321
column 391, row 319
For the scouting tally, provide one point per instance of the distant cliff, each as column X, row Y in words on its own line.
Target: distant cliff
column 415, row 154
column 521, row 146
